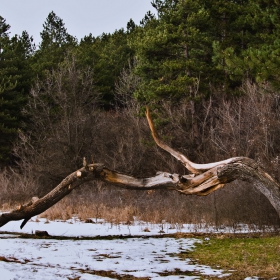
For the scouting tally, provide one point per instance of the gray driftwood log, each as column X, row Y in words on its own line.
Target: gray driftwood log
column 204, row 179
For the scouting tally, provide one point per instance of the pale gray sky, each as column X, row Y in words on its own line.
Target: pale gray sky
column 81, row 17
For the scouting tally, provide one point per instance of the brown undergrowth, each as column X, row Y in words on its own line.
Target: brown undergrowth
column 207, row 131
column 116, row 206
column 229, row 206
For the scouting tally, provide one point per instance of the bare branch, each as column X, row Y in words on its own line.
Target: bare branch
column 88, row 173
column 203, row 184
column 191, row 166
column 206, row 178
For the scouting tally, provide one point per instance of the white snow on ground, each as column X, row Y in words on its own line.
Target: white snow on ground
column 61, row 259
column 77, row 228
column 55, row 259
column 141, row 256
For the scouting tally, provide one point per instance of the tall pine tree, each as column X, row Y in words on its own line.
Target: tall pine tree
column 247, row 45
column 174, row 52
column 15, row 82
column 55, row 44
column 107, row 55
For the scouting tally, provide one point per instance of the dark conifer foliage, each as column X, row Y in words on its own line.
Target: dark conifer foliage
column 55, row 43
column 187, row 50
column 107, row 55
column 15, row 82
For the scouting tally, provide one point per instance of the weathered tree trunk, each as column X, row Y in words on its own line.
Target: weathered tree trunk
column 204, row 179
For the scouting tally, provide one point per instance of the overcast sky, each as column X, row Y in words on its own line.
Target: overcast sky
column 81, row 17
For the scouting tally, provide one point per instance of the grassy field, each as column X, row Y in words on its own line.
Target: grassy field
column 242, row 256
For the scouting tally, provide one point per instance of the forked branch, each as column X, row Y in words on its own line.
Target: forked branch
column 191, row 166
column 204, row 179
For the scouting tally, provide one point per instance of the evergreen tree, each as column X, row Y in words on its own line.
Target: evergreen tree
column 55, row 44
column 55, row 33
column 107, row 55
column 14, row 85
column 130, row 27
column 248, row 44
column 198, row 45
column 174, row 52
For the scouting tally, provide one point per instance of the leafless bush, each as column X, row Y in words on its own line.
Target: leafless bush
column 68, row 126
column 126, row 85
column 16, row 186
column 62, row 110
column 249, row 126
column 223, row 127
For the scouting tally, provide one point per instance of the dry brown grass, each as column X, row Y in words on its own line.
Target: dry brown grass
column 228, row 206
column 115, row 206
column 63, row 210
column 206, row 131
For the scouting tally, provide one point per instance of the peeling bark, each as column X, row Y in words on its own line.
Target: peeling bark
column 204, row 179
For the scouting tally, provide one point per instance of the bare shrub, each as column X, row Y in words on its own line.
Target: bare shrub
column 66, row 128
column 223, row 127
column 126, row 85
column 62, row 110
column 16, row 186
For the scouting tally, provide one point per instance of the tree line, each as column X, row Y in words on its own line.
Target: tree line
column 187, row 51
column 208, row 71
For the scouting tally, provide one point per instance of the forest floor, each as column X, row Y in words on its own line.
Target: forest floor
column 95, row 249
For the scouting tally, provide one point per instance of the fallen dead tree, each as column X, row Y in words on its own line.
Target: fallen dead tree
column 202, row 180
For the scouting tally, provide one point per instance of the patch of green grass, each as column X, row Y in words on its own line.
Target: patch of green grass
column 246, row 256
